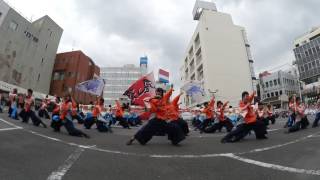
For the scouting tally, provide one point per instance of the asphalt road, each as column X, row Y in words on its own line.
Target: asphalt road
column 35, row 153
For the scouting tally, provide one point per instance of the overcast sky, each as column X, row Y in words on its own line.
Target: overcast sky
column 116, row 32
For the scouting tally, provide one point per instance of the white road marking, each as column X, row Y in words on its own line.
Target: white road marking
column 9, row 129
column 216, row 135
column 271, row 130
column 315, row 136
column 63, row 169
column 172, row 156
column 44, row 136
column 279, row 145
column 274, row 166
column 9, row 123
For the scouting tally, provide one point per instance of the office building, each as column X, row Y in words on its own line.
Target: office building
column 119, row 79
column 27, row 49
column 70, row 69
column 218, row 56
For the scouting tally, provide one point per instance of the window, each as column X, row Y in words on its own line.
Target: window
column 272, row 94
column 279, row 81
column 268, row 95
column 13, row 26
column 267, row 84
column 318, row 63
column 277, row 94
column 280, row 92
column 46, row 46
column 56, row 76
column 309, row 66
column 271, row 84
column 0, row 14
column 42, row 61
column 298, row 56
column 313, row 64
column 275, row 82
column 38, row 77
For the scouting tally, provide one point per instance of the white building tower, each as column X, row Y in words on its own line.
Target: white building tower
column 218, row 56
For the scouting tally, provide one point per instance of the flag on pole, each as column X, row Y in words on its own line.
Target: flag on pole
column 141, row 89
column 163, row 76
column 193, row 88
column 94, row 86
column 195, row 91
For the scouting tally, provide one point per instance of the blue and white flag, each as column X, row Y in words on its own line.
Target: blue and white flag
column 193, row 88
column 94, row 86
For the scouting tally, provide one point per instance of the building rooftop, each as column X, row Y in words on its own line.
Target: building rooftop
column 307, row 37
column 200, row 5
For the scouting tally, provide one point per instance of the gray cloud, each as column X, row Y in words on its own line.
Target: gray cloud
column 116, row 32
column 272, row 26
column 165, row 29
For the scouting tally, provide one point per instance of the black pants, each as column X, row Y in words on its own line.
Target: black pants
column 243, row 130
column 316, row 120
column 272, row 119
column 43, row 113
column 56, row 123
column 89, row 122
column 218, row 126
column 68, row 124
column 302, row 124
column 26, row 115
column 205, row 124
column 124, row 123
column 175, row 132
column 9, row 111
column 183, row 125
column 196, row 122
column 102, row 126
column 156, row 126
column 78, row 118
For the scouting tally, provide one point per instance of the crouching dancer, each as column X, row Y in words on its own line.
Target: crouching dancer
column 66, row 118
column 250, row 122
column 223, row 121
column 158, row 122
column 178, row 128
column 317, row 119
column 27, row 111
column 43, row 111
column 97, row 118
column 301, row 120
column 55, row 119
column 210, row 115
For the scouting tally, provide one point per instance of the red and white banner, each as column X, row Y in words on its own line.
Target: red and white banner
column 141, row 89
